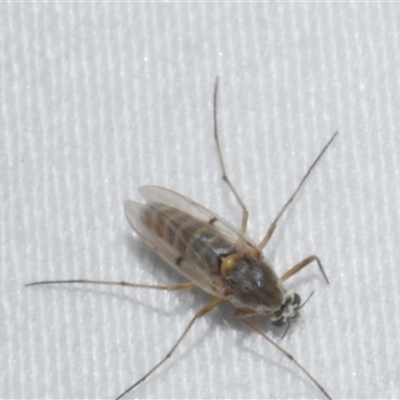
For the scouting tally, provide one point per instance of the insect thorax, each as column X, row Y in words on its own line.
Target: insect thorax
column 254, row 285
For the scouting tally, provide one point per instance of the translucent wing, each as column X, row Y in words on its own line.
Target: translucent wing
column 211, row 284
column 157, row 194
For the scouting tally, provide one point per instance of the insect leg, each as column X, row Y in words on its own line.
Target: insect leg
column 299, row 266
column 245, row 213
column 272, row 228
column 240, row 315
column 178, row 286
column 212, row 304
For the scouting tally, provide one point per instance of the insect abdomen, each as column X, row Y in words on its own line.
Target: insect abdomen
column 196, row 240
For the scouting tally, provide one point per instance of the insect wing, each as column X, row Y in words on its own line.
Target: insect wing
column 210, row 284
column 157, row 194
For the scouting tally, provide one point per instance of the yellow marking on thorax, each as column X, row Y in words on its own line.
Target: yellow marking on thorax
column 229, row 262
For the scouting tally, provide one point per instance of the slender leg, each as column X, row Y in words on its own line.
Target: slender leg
column 240, row 315
column 178, row 286
column 213, row 303
column 299, row 266
column 271, row 229
column 245, row 213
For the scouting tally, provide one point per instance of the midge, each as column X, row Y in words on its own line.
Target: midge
column 214, row 256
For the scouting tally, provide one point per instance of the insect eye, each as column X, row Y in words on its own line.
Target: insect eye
column 279, row 322
column 292, row 300
column 296, row 299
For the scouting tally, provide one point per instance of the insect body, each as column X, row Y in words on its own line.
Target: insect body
column 210, row 252
column 215, row 256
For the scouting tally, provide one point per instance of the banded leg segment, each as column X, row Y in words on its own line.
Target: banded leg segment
column 177, row 286
column 240, row 314
column 274, row 224
column 299, row 266
column 212, row 304
column 245, row 212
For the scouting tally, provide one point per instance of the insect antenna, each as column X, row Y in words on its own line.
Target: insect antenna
column 306, row 300
column 287, row 328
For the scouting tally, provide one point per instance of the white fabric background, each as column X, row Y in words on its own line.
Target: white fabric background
column 100, row 98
